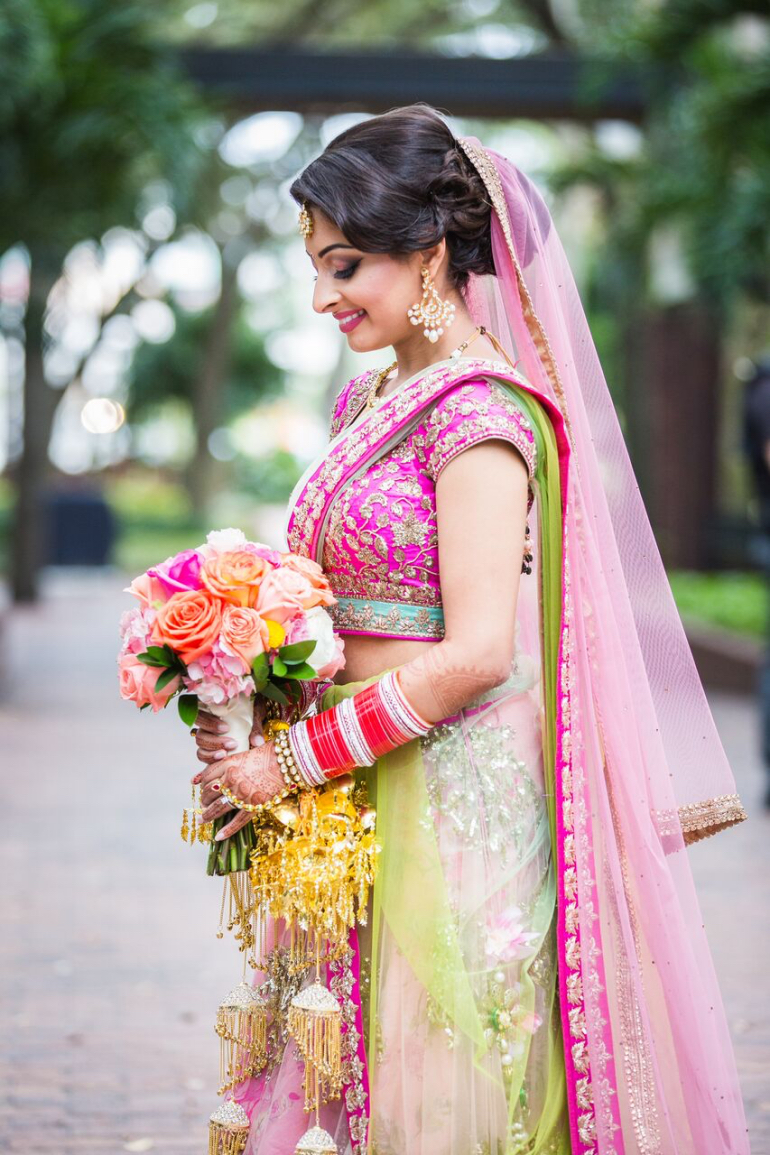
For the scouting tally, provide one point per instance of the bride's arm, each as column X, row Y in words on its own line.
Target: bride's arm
column 481, row 506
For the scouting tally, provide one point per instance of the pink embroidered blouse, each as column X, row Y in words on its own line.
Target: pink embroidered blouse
column 380, row 549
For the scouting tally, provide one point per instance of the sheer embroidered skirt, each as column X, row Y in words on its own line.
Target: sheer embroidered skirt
column 452, row 984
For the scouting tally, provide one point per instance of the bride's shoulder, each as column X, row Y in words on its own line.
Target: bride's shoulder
column 349, row 400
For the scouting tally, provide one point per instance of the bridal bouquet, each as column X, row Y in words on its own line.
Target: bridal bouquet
column 218, row 625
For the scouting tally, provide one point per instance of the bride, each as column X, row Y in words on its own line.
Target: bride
column 518, row 695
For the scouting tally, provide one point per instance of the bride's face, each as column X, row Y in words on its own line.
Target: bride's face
column 366, row 294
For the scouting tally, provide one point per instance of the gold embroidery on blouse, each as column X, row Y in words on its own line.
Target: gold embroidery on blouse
column 356, row 556
column 358, row 393
column 478, row 423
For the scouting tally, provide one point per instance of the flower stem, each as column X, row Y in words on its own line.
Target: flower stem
column 231, row 854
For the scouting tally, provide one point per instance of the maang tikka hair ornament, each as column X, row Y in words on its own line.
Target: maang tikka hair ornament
column 431, row 311
column 305, row 221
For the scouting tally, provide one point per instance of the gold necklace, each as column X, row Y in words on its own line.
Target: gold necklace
column 382, row 374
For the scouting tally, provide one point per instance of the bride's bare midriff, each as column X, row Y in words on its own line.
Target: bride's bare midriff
column 367, row 657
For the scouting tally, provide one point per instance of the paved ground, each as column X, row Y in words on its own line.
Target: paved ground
column 109, row 964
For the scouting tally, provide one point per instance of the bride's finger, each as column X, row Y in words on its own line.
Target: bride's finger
column 210, row 724
column 240, row 820
column 204, row 777
column 218, row 807
column 208, row 741
column 211, row 757
column 210, row 793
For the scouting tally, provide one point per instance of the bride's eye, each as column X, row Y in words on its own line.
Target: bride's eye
column 343, row 274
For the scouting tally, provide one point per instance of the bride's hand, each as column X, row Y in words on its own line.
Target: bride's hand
column 252, row 777
column 211, row 734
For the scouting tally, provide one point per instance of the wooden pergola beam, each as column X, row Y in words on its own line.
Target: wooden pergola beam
column 549, row 86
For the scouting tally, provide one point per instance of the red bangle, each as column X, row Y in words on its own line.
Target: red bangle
column 355, row 732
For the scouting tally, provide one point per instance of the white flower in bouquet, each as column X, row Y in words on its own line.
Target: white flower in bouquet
column 222, row 540
column 328, row 654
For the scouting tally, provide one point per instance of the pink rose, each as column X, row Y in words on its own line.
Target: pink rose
column 314, row 574
column 137, row 683
column 179, row 573
column 147, row 589
column 271, row 555
column 285, row 593
column 244, row 633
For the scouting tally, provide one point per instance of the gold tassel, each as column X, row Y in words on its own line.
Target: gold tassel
column 317, row 873
column 228, row 1129
column 316, row 1141
column 315, row 1024
column 242, row 1029
column 193, row 830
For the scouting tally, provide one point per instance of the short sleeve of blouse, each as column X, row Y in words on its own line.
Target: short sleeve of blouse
column 470, row 413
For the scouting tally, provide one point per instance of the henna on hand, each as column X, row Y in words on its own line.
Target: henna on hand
column 252, row 777
column 442, row 680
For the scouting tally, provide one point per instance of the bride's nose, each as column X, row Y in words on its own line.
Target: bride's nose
column 326, row 297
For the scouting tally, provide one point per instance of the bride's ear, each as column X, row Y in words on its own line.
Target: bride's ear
column 435, row 258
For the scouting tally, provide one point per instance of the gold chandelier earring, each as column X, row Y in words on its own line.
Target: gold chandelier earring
column 431, row 312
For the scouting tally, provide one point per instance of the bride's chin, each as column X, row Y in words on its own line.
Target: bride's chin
column 363, row 343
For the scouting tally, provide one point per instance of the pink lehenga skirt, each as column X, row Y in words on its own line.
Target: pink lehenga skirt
column 452, row 1037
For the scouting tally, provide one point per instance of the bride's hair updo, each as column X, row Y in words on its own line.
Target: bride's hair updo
column 398, row 183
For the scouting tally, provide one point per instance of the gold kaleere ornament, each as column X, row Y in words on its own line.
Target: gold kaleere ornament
column 242, row 1029
column 315, row 1024
column 316, row 1141
column 193, row 830
column 228, row 1129
column 243, row 916
column 315, row 873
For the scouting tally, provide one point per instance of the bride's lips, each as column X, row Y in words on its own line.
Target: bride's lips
column 348, row 321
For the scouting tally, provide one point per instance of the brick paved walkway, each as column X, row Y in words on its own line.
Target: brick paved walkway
column 110, row 968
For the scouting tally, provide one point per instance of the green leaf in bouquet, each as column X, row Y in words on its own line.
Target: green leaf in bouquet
column 260, row 669
column 297, row 651
column 303, row 672
column 164, row 679
column 279, row 668
column 150, row 659
column 187, row 704
column 275, row 693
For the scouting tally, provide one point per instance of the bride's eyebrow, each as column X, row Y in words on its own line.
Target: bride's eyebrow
column 328, row 249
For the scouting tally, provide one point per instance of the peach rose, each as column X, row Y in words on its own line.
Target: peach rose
column 137, row 683
column 313, row 572
column 190, row 623
column 285, row 593
column 234, row 576
column 244, row 633
column 147, row 589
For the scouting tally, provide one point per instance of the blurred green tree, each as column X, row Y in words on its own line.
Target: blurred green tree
column 91, row 109
column 216, row 369
column 687, row 221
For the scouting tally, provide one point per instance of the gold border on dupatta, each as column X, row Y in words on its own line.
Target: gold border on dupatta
column 485, row 166
column 698, row 820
